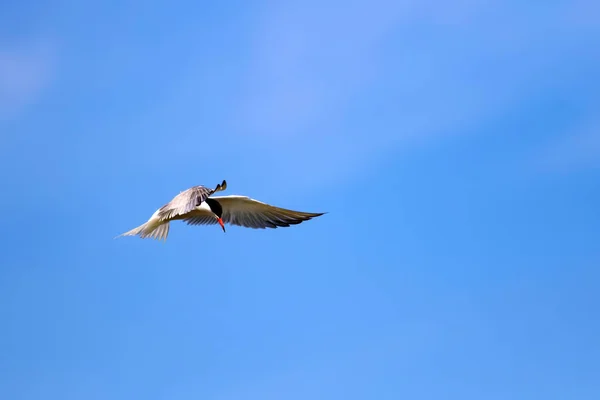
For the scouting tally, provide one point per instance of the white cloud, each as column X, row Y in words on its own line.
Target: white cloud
column 25, row 72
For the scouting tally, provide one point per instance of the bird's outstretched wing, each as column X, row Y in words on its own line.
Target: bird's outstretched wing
column 250, row 213
column 187, row 200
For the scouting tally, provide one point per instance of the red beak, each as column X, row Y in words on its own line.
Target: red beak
column 221, row 223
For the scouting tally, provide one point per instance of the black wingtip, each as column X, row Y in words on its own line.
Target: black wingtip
column 221, row 186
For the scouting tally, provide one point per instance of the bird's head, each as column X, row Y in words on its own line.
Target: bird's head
column 217, row 210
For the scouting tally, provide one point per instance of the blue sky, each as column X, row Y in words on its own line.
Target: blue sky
column 455, row 145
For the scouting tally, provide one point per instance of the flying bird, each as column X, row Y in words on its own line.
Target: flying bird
column 195, row 206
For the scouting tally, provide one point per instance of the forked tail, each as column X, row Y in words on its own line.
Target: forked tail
column 152, row 229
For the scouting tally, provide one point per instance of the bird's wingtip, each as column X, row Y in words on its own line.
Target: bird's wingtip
column 221, row 186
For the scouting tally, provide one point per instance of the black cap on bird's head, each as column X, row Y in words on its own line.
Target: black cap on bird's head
column 216, row 208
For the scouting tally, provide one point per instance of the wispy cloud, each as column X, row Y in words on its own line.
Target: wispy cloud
column 26, row 69
column 307, row 58
column 572, row 152
column 360, row 78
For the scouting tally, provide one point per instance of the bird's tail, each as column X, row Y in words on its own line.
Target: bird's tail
column 153, row 229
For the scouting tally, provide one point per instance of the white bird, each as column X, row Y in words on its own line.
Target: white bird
column 196, row 207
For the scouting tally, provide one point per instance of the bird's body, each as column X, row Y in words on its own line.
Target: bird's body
column 195, row 206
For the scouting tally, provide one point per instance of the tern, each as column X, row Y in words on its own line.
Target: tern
column 196, row 206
